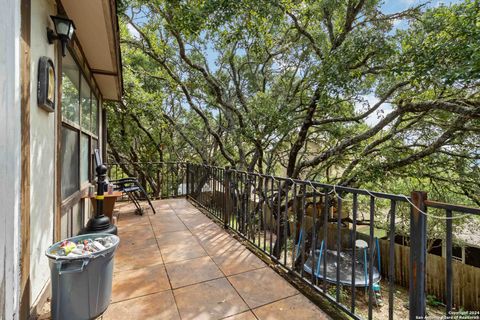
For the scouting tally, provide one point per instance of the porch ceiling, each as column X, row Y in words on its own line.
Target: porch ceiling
column 97, row 31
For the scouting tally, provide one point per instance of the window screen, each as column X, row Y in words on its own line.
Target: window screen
column 84, row 157
column 94, row 115
column 85, row 102
column 70, row 92
column 70, row 162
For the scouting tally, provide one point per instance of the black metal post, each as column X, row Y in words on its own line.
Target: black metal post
column 418, row 249
column 100, row 223
column 449, row 271
column 391, row 259
column 226, row 195
column 187, row 187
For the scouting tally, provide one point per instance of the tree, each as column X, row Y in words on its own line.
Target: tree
column 293, row 87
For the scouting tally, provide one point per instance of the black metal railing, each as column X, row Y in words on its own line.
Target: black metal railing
column 312, row 230
column 160, row 179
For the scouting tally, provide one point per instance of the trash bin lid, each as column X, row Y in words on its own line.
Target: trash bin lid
column 83, row 246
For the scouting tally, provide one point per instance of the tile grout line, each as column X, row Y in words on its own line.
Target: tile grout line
column 200, row 282
column 146, row 267
column 274, row 301
column 239, row 273
column 189, row 259
column 236, row 314
column 191, row 233
column 224, row 275
column 231, row 284
column 140, row 296
column 238, row 293
column 163, row 263
column 215, row 234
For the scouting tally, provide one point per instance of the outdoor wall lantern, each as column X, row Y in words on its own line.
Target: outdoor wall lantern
column 64, row 29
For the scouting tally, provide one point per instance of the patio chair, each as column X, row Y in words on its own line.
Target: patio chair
column 130, row 186
column 134, row 190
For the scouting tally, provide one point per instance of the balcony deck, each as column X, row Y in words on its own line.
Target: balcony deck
column 178, row 264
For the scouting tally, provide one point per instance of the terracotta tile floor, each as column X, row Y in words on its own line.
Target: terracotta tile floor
column 194, row 270
column 178, row 264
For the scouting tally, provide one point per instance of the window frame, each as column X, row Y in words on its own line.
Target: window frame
column 79, row 128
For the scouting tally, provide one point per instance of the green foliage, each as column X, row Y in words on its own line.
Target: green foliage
column 433, row 301
column 443, row 48
column 233, row 83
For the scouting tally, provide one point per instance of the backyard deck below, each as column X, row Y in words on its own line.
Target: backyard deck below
column 178, row 264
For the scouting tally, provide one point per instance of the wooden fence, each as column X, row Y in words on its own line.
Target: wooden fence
column 466, row 279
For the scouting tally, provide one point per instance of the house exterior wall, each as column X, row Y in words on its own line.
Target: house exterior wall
column 42, row 149
column 29, row 157
column 10, row 126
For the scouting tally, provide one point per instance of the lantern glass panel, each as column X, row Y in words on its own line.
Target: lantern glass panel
column 62, row 27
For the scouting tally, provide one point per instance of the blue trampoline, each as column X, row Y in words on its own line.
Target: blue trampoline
column 362, row 258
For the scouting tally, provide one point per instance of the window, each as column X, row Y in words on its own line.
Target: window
column 85, row 102
column 94, row 115
column 84, row 157
column 92, row 157
column 70, row 162
column 70, row 90
column 79, row 127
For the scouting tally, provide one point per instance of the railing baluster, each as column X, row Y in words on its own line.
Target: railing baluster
column 278, row 237
column 218, row 198
column 339, row 245
column 326, row 209
column 169, row 177
column 255, row 210
column 225, row 195
column 418, row 250
column 213, row 192
column 391, row 260
column 271, row 215
column 285, row 225
column 175, row 186
column 259, row 210
column 187, row 176
column 244, row 204
column 303, row 231
column 314, row 237
column 204, row 185
column 241, row 190
column 208, row 188
column 213, row 200
column 199, row 186
column 239, row 199
column 248, row 216
column 294, row 224
column 240, row 203
column 354, row 248
column 264, row 215
column 233, row 198
column 370, row 258
column 449, row 271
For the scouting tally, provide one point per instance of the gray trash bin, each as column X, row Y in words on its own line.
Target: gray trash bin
column 81, row 285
